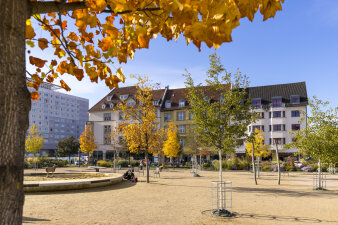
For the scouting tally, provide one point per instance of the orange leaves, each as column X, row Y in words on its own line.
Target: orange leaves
column 78, row 73
column 43, row 43
column 37, row 62
column 87, row 140
column 59, row 52
column 72, row 36
column 143, row 40
column 64, row 85
column 112, row 31
column 96, row 5
column 29, row 30
column 106, row 43
column 35, row 95
column 112, row 81
column 70, row 68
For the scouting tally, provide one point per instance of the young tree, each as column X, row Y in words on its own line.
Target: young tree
column 87, row 141
column 34, row 140
column 74, row 52
column 68, row 147
column 220, row 110
column 115, row 142
column 171, row 145
column 140, row 128
column 256, row 147
column 319, row 139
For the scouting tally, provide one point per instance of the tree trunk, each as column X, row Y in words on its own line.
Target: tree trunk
column 253, row 162
column 220, row 180
column 278, row 164
column 14, row 108
column 147, row 165
column 319, row 176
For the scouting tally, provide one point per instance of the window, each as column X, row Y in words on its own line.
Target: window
column 109, row 98
column 107, row 129
column 190, row 116
column 256, row 102
column 181, row 129
column 103, row 106
column 295, row 99
column 167, row 117
column 182, row 142
column 277, row 141
column 107, row 140
column 295, row 126
column 258, row 127
column 168, row 104
column 123, row 97
column 181, row 103
column 277, row 114
column 120, row 116
column 107, row 116
column 295, row 113
column 155, row 102
column 111, row 105
column 277, row 127
column 260, row 115
column 277, row 102
column 131, row 103
column 181, row 116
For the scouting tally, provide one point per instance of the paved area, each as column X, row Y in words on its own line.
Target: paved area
column 179, row 198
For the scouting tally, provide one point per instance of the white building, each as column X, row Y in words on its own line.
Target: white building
column 57, row 116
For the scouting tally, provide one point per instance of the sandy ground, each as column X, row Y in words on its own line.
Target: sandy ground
column 179, row 198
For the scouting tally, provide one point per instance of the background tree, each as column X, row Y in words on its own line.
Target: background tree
column 319, row 139
column 87, row 141
column 256, row 147
column 140, row 128
column 68, row 147
column 221, row 111
column 172, row 145
column 34, row 140
column 75, row 53
column 115, row 142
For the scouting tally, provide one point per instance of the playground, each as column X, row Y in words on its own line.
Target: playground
column 177, row 197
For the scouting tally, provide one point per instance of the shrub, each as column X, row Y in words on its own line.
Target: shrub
column 206, row 165
column 122, row 163
column 234, row 167
column 215, row 164
column 188, row 164
column 27, row 164
column 266, row 168
column 104, row 163
column 291, row 168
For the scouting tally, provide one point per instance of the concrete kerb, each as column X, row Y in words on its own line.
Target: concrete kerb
column 62, row 185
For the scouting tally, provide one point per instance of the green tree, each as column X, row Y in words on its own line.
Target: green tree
column 221, row 111
column 319, row 139
column 68, row 147
column 34, row 140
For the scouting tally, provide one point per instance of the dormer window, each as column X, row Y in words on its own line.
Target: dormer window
column 168, row 104
column 155, row 102
column 181, row 103
column 123, row 97
column 277, row 102
column 131, row 103
column 295, row 99
column 103, row 106
column 109, row 98
column 111, row 105
column 256, row 102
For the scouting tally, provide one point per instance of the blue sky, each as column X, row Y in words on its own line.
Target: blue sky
column 299, row 44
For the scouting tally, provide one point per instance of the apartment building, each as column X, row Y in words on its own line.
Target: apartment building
column 103, row 118
column 57, row 116
column 280, row 107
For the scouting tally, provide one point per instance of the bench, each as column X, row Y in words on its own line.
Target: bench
column 97, row 168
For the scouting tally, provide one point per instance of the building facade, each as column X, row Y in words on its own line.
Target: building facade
column 280, row 108
column 57, row 116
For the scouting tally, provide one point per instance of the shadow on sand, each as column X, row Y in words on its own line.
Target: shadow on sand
column 30, row 219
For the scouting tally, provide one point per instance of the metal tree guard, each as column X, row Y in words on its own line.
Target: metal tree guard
column 221, row 198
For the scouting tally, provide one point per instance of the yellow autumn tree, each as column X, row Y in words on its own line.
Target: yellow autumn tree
column 257, row 147
column 87, row 141
column 171, row 145
column 34, row 140
column 140, row 128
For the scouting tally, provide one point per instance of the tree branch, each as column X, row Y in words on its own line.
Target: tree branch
column 52, row 6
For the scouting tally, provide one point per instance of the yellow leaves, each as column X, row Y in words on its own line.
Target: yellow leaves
column 247, row 8
column 171, row 145
column 261, row 149
column 112, row 31
column 59, row 52
column 34, row 140
column 72, row 36
column 35, row 96
column 64, row 85
column 112, row 81
column 96, row 5
column 143, row 40
column 120, row 75
column 37, row 62
column 270, row 7
column 87, row 140
column 29, row 30
column 43, row 43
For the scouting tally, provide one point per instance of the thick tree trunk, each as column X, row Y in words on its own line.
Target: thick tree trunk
column 253, row 162
column 14, row 108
